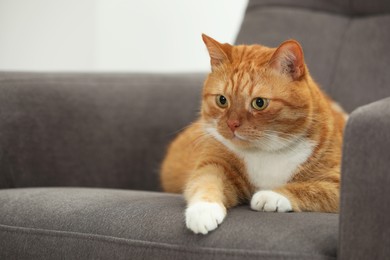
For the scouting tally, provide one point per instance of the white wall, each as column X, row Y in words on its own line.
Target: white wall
column 47, row 34
column 113, row 35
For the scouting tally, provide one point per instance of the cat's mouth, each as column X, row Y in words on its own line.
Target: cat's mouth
column 238, row 137
column 233, row 137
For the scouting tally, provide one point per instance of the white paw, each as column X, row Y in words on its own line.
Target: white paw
column 202, row 217
column 267, row 200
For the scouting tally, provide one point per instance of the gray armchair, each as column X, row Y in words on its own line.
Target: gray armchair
column 80, row 153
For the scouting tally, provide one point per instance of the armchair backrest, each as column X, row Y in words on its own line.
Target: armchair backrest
column 346, row 43
column 91, row 130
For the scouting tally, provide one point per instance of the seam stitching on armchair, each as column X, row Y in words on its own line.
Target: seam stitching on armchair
column 303, row 8
column 148, row 244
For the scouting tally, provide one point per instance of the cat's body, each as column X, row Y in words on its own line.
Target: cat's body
column 267, row 135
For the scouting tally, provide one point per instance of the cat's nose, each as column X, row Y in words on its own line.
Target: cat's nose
column 233, row 124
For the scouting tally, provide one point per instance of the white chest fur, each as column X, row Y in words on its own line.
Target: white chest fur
column 268, row 170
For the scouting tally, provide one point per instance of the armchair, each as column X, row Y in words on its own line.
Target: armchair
column 80, row 152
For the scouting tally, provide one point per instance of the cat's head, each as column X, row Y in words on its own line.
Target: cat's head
column 256, row 97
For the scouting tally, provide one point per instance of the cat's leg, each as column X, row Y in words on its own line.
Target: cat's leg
column 319, row 196
column 209, row 193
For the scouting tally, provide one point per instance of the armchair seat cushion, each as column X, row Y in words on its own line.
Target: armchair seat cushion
column 92, row 223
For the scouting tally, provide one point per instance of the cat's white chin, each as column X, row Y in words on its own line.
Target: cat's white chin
column 238, row 137
column 236, row 141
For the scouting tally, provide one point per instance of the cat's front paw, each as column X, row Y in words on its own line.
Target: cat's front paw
column 202, row 217
column 267, row 200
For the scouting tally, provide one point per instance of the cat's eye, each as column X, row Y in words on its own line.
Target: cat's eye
column 221, row 101
column 259, row 103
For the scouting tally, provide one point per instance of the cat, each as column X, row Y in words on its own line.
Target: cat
column 267, row 135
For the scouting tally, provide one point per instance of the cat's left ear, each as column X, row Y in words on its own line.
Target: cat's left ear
column 288, row 60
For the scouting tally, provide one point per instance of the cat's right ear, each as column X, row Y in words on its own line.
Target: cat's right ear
column 219, row 52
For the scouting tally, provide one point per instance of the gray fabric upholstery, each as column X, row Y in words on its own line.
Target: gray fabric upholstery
column 75, row 223
column 96, row 130
column 365, row 197
column 362, row 72
column 345, row 7
column 345, row 42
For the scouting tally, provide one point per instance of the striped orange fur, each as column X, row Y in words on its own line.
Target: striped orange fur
column 282, row 157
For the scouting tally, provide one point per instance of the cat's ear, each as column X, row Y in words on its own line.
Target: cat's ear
column 288, row 59
column 219, row 52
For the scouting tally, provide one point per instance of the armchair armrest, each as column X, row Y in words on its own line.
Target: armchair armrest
column 91, row 129
column 365, row 184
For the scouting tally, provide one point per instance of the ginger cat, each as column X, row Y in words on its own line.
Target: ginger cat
column 267, row 135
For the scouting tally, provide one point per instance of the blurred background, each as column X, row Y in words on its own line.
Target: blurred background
column 113, row 35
